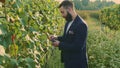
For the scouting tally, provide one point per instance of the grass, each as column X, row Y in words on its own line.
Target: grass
column 54, row 60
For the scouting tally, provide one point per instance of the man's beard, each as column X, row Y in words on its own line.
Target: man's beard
column 68, row 17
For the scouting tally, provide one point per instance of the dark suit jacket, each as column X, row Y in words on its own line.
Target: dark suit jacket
column 73, row 43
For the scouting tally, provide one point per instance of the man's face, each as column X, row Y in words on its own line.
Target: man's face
column 65, row 14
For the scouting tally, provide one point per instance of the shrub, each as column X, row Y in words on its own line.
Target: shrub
column 111, row 17
column 103, row 49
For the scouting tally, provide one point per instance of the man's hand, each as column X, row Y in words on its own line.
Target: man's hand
column 56, row 43
column 52, row 38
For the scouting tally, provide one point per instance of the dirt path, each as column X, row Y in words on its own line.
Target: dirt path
column 93, row 24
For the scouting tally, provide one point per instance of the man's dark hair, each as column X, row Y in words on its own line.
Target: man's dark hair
column 66, row 4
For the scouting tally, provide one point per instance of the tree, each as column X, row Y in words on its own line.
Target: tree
column 85, row 2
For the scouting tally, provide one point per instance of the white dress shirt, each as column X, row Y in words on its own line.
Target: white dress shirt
column 69, row 24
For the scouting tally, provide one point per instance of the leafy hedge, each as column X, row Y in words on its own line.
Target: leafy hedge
column 111, row 17
column 25, row 30
column 103, row 49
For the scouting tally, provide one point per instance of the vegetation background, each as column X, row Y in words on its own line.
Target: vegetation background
column 26, row 24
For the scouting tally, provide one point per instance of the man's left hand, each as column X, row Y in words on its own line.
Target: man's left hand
column 56, row 43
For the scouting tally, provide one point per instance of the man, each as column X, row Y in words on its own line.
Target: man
column 73, row 42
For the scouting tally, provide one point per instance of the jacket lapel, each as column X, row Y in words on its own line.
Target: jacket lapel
column 66, row 25
column 72, row 25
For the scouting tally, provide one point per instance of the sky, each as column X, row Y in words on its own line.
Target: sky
column 116, row 1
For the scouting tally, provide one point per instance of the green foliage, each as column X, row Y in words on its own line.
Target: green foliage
column 25, row 32
column 103, row 49
column 89, row 13
column 102, row 44
column 83, row 15
column 25, row 37
column 7, row 62
column 88, row 5
column 85, row 2
column 95, row 15
column 111, row 17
